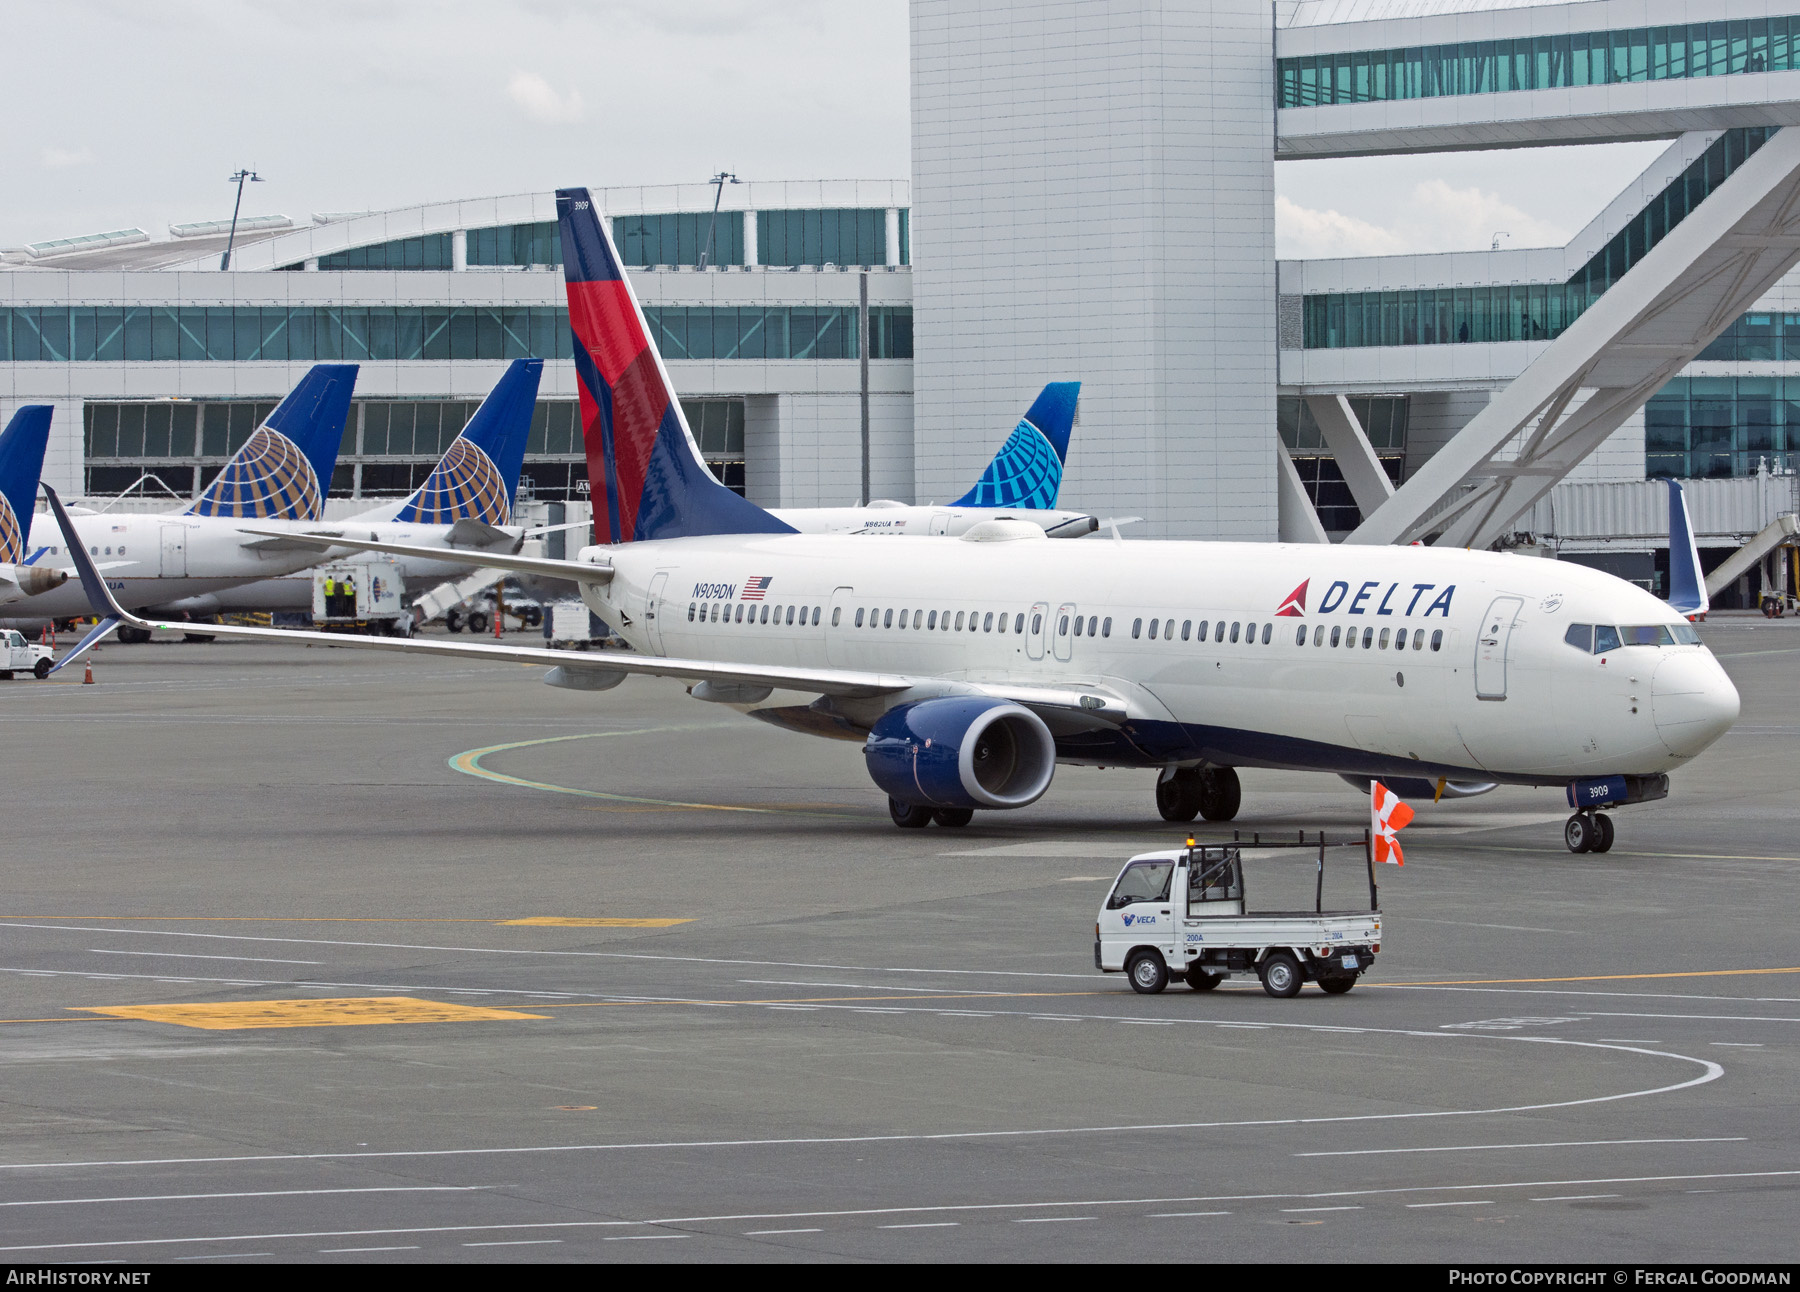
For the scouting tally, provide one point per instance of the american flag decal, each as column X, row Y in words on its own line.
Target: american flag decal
column 755, row 587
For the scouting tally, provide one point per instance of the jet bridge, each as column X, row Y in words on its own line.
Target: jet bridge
column 1651, row 323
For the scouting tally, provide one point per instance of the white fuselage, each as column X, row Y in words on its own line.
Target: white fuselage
column 1519, row 705
column 902, row 520
column 195, row 562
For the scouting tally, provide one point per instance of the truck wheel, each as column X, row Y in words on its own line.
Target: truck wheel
column 1178, row 793
column 1337, row 984
column 1280, row 975
column 1580, row 833
column 1603, row 833
column 41, row 669
column 1220, row 793
column 1148, row 973
column 909, row 816
column 953, row 817
column 453, row 619
column 532, row 617
column 1200, row 980
column 5, row 675
column 478, row 622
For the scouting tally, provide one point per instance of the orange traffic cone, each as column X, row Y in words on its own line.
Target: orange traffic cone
column 87, row 678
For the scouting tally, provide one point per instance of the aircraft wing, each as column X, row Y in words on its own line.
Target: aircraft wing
column 272, row 542
column 543, row 566
column 1095, row 706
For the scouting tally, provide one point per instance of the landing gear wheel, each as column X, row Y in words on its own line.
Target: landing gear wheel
column 1580, row 833
column 1220, row 793
column 1280, row 975
column 1604, row 842
column 1148, row 973
column 1337, row 984
column 41, row 669
column 133, row 636
column 200, row 637
column 909, row 816
column 478, row 621
column 454, row 620
column 953, row 817
column 1178, row 793
column 1200, row 980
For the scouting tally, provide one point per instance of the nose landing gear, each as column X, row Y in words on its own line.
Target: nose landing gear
column 1589, row 832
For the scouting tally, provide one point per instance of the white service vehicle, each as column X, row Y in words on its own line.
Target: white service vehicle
column 358, row 594
column 571, row 625
column 1182, row 912
column 24, row 656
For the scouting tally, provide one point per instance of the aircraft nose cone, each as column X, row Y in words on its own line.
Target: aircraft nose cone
column 1693, row 702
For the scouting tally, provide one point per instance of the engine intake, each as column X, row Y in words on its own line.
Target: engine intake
column 961, row 752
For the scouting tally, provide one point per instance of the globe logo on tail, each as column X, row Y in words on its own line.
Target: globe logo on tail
column 466, row 485
column 268, row 479
column 1025, row 473
column 12, row 539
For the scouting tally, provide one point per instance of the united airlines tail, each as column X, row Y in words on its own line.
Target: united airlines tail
column 1687, row 586
column 1027, row 471
column 646, row 477
column 478, row 478
column 283, row 472
column 21, row 463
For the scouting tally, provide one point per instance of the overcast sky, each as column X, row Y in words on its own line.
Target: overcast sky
column 133, row 112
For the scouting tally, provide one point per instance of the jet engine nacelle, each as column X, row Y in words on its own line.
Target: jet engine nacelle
column 961, row 752
column 1420, row 790
column 18, row 581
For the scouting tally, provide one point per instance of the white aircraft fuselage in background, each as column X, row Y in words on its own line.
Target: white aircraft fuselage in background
column 1553, row 712
column 904, row 520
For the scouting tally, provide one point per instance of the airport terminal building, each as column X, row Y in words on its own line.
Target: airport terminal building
column 1092, row 197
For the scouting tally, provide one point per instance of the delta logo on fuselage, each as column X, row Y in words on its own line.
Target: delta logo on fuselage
column 1293, row 606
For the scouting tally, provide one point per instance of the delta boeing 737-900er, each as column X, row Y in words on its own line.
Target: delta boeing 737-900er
column 968, row 668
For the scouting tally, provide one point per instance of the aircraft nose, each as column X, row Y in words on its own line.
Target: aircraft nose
column 1692, row 700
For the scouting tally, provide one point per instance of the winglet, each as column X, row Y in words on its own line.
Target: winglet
column 1687, row 586
column 99, row 596
column 1027, row 471
column 95, row 636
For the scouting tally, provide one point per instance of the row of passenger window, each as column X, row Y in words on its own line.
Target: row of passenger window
column 721, row 611
column 1597, row 639
column 963, row 620
column 1248, row 633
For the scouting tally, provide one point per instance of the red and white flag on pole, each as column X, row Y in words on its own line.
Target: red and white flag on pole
column 1387, row 817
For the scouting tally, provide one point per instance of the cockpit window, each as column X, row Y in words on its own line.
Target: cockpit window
column 1143, row 881
column 1605, row 638
column 1647, row 635
column 1581, row 637
column 1685, row 634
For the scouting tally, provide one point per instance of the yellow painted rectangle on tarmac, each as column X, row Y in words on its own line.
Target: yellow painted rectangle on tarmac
column 352, row 1011
column 584, row 922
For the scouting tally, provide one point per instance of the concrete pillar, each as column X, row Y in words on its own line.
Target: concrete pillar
column 1297, row 522
column 750, row 238
column 1362, row 470
column 311, row 265
column 893, row 235
column 459, row 249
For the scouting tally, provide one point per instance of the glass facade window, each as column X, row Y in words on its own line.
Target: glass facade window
column 514, row 244
column 1763, row 44
column 1383, row 419
column 1522, row 311
column 678, row 239
column 842, row 236
column 307, row 334
column 718, row 427
column 1722, row 426
column 429, row 252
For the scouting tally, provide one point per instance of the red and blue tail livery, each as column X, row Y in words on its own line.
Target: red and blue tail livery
column 645, row 474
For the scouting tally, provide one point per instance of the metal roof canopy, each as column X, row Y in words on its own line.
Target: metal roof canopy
column 1624, row 348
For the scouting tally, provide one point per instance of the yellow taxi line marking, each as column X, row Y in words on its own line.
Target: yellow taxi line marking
column 348, row 1011
column 1601, row 977
column 824, row 1000
column 469, row 763
column 542, row 921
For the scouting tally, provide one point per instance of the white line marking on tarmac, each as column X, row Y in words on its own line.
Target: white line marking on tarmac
column 929, row 1224
column 1739, row 1045
column 1705, row 1018
column 524, row 1242
column 1297, row 1210
column 238, row 1256
column 178, row 955
column 1710, row 1072
column 1182, row 1215
column 269, row 1193
column 1483, row 1202
column 757, row 1233
column 918, row 1210
column 1049, row 1220
column 1565, row 1143
column 1583, row 1197
column 626, row 1238
column 336, row 1251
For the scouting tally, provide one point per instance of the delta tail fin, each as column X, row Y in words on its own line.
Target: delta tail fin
column 283, row 472
column 646, row 477
column 1687, row 585
column 1027, row 471
column 478, row 478
column 22, row 447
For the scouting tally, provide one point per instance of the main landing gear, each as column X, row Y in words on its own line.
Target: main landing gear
column 1182, row 793
column 915, row 816
column 1589, row 832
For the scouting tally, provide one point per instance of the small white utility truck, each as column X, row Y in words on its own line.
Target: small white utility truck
column 361, row 596
column 18, row 654
column 1181, row 913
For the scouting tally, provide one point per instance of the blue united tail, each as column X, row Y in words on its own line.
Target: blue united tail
column 1027, row 471
column 1687, row 586
column 21, row 463
column 283, row 472
column 479, row 477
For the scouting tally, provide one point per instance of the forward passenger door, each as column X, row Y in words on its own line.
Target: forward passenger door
column 1037, row 628
column 1491, row 646
column 1064, row 640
